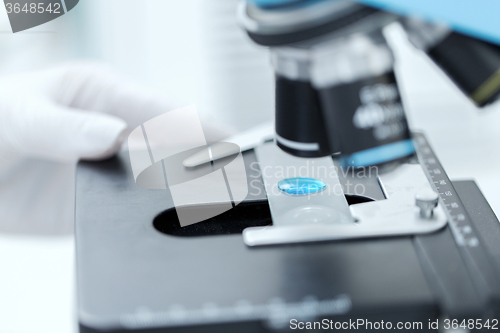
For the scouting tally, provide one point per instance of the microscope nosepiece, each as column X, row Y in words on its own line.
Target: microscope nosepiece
column 335, row 86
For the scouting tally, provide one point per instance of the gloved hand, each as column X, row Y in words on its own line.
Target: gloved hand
column 52, row 118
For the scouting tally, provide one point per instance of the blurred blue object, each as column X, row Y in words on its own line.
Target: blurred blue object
column 379, row 155
column 477, row 18
column 274, row 3
column 301, row 186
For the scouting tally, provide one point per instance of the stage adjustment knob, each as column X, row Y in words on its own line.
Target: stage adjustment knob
column 426, row 200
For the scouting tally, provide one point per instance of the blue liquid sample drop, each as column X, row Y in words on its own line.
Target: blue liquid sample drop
column 301, row 186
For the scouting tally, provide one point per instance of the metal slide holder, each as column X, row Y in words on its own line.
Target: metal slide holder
column 326, row 215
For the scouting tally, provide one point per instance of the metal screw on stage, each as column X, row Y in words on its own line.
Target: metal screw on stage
column 426, row 200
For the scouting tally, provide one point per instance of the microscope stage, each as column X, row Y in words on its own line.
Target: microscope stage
column 138, row 270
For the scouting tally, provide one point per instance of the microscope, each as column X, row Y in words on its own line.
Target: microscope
column 335, row 85
column 348, row 220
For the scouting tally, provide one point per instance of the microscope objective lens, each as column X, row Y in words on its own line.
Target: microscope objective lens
column 301, row 186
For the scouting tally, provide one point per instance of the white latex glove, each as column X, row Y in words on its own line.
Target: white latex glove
column 48, row 121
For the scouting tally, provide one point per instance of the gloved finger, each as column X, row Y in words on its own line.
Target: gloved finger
column 96, row 87
column 59, row 133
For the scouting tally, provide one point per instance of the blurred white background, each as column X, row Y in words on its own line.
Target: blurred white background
column 194, row 51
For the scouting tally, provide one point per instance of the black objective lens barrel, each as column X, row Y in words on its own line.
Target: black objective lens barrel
column 369, row 121
column 473, row 65
column 341, row 97
column 300, row 126
column 360, row 100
